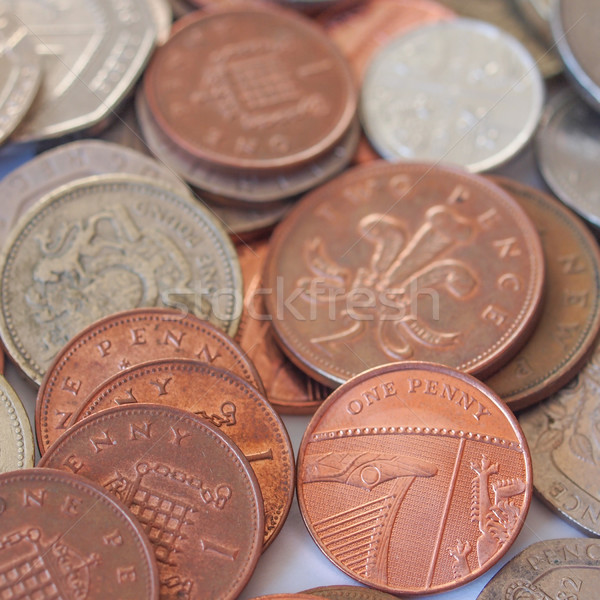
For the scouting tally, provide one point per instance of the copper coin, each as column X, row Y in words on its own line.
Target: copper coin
column 564, row 436
column 63, row 537
column 349, row 592
column 123, row 340
column 565, row 569
column 188, row 485
column 570, row 318
column 403, row 261
column 287, row 597
column 251, row 89
column 365, row 152
column 229, row 403
column 414, row 478
column 361, row 28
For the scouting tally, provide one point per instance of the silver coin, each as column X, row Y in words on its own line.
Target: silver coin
column 17, row 450
column 568, row 153
column 575, row 27
column 538, row 14
column 20, row 72
column 105, row 244
column 476, row 108
column 92, row 53
column 162, row 14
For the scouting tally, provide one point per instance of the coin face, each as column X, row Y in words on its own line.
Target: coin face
column 123, row 340
column 16, row 439
column 563, row 568
column 563, row 436
column 277, row 96
column 570, row 319
column 405, row 261
column 467, row 111
column 63, row 537
column 223, row 399
column 20, row 72
column 107, row 244
column 413, row 478
column 204, row 518
column 92, row 53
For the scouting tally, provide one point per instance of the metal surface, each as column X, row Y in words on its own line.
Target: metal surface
column 538, row 14
column 349, row 592
column 16, row 439
column 477, row 109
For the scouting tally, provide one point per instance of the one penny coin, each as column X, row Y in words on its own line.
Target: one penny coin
column 17, row 450
column 349, row 592
column 570, row 318
column 123, row 340
column 414, row 478
column 403, row 261
column 62, row 536
column 226, row 401
column 187, row 484
column 275, row 92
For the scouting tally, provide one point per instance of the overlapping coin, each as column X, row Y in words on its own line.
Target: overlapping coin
column 17, row 450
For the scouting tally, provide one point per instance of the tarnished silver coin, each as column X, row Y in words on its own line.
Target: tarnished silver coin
column 477, row 108
column 17, row 450
column 20, row 71
column 563, row 569
column 105, row 244
column 575, row 26
column 568, row 150
column 92, row 53
column 538, row 14
column 563, row 433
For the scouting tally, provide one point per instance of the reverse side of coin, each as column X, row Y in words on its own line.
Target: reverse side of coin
column 414, row 478
column 106, row 244
column 570, row 319
column 467, row 111
column 123, row 340
column 187, row 484
column 17, row 450
column 566, row 568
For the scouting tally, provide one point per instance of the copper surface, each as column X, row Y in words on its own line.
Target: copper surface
column 414, row 478
column 277, row 96
column 123, row 340
column 360, row 28
column 188, row 485
column 286, row 597
column 349, row 592
column 62, row 536
column 403, row 261
column 570, row 318
column 289, row 389
column 223, row 399
column 365, row 152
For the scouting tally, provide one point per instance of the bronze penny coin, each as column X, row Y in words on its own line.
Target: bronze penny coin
column 565, row 569
column 123, row 340
column 403, row 261
column 570, row 318
column 251, row 89
column 223, row 399
column 187, row 484
column 349, row 592
column 414, row 478
column 300, row 596
column 63, row 537
column 564, row 436
column 289, row 390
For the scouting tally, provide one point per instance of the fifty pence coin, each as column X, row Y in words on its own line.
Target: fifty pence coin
column 123, row 340
column 403, row 261
column 105, row 244
column 62, row 536
column 17, row 450
column 475, row 109
column 567, row 568
column 414, row 478
column 186, row 483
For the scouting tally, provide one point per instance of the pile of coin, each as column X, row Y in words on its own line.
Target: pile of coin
column 168, row 332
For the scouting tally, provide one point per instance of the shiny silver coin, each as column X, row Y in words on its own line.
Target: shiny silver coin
column 92, row 53
column 476, row 108
column 568, row 153
column 162, row 14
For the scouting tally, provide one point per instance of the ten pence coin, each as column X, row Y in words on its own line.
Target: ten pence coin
column 228, row 402
column 570, row 318
column 188, row 485
column 105, row 244
column 567, row 568
column 349, row 592
column 17, row 450
column 403, row 261
column 120, row 341
column 62, row 536
column 414, row 478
